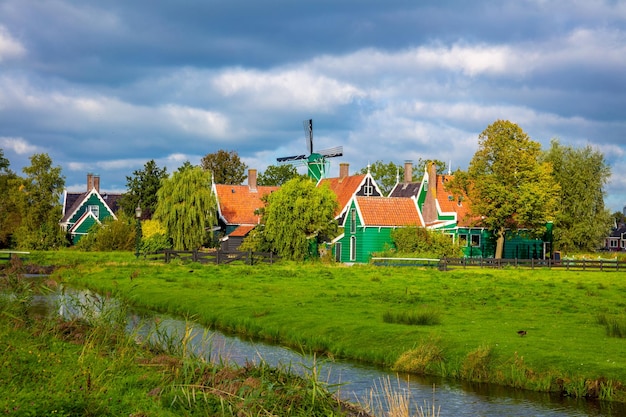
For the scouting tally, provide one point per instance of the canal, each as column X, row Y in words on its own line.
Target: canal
column 357, row 383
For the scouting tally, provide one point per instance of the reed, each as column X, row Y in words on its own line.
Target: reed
column 85, row 363
column 340, row 310
column 393, row 400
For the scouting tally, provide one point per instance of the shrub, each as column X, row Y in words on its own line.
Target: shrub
column 111, row 235
column 155, row 243
column 422, row 242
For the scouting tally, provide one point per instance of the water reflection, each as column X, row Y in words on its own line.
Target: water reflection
column 355, row 382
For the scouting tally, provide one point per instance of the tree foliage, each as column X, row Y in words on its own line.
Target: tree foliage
column 10, row 215
column 277, row 174
column 507, row 184
column 187, row 208
column 142, row 189
column 388, row 174
column 225, row 166
column 582, row 221
column 112, row 235
column 296, row 215
column 421, row 242
column 39, row 200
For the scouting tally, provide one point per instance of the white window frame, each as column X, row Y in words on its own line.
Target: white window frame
column 353, row 220
column 475, row 241
column 352, row 248
column 95, row 209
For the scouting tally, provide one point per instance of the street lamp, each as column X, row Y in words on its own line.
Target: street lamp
column 138, row 230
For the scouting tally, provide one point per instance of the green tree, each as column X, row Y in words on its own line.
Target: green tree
column 187, row 208
column 39, row 198
column 10, row 215
column 420, row 167
column 277, row 174
column 386, row 175
column 225, row 166
column 508, row 185
column 142, row 189
column 298, row 216
column 582, row 221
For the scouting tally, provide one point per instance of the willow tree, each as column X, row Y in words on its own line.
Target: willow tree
column 583, row 220
column 509, row 187
column 297, row 216
column 187, row 207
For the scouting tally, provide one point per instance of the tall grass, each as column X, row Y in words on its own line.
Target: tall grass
column 423, row 316
column 392, row 400
column 615, row 325
column 85, row 363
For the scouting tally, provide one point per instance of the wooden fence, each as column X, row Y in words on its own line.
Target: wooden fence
column 446, row 263
column 217, row 257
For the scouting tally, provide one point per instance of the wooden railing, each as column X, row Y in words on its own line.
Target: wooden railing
column 446, row 263
column 574, row 264
column 216, row 257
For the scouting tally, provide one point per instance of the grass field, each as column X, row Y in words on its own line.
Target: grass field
column 90, row 366
column 459, row 323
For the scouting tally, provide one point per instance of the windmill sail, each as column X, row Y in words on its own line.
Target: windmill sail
column 316, row 162
column 332, row 152
column 291, row 158
column 308, row 134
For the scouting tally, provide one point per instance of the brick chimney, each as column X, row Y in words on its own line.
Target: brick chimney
column 408, row 171
column 96, row 182
column 344, row 169
column 89, row 181
column 429, row 210
column 252, row 179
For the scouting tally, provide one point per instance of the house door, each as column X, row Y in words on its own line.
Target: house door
column 338, row 251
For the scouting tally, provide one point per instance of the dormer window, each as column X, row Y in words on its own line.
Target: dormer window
column 95, row 210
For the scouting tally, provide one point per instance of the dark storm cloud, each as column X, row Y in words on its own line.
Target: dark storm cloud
column 107, row 86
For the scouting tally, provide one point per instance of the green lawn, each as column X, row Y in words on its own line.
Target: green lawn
column 339, row 310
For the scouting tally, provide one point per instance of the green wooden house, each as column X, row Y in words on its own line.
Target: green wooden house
column 441, row 210
column 82, row 210
column 368, row 224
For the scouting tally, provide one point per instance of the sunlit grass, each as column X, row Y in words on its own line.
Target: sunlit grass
column 341, row 310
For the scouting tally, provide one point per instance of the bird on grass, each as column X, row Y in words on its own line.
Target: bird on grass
column 522, row 333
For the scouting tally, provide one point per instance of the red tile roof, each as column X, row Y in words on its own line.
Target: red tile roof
column 242, row 231
column 388, row 212
column 344, row 188
column 449, row 204
column 238, row 203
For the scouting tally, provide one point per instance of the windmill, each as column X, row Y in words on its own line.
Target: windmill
column 316, row 162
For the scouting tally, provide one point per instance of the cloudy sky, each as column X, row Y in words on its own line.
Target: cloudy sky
column 105, row 86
